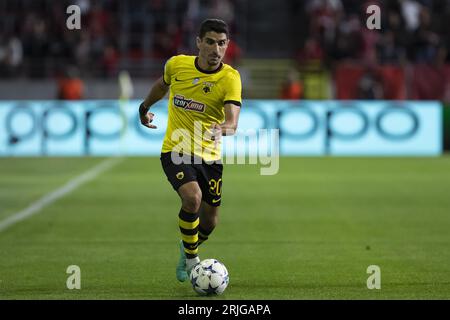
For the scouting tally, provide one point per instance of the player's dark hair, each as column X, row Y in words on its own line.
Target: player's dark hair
column 216, row 25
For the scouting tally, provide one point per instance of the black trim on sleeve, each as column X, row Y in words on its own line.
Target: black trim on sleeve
column 237, row 103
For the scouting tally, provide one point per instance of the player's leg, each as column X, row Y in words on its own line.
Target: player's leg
column 183, row 177
column 209, row 177
column 191, row 196
column 209, row 216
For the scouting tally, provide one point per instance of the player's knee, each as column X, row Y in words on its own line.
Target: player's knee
column 192, row 202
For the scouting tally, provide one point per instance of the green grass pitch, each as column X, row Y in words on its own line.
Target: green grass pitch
column 309, row 232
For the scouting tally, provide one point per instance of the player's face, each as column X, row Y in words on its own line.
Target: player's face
column 212, row 48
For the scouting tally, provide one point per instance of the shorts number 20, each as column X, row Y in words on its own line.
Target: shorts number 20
column 215, row 187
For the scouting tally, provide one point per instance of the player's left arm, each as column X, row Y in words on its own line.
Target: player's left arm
column 229, row 126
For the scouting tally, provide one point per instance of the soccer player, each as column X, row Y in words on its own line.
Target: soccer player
column 204, row 104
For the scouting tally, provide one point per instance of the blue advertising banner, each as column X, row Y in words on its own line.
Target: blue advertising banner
column 103, row 128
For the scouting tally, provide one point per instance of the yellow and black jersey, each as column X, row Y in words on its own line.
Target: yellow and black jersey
column 196, row 101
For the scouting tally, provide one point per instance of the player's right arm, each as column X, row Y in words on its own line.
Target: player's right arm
column 158, row 91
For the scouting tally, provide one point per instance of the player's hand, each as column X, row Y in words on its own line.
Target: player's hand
column 147, row 119
column 216, row 133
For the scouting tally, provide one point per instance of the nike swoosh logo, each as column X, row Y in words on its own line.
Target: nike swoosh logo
column 216, row 200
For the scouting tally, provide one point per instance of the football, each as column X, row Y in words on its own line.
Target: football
column 209, row 277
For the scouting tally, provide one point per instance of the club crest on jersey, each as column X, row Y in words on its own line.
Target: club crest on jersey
column 207, row 87
column 188, row 104
column 180, row 175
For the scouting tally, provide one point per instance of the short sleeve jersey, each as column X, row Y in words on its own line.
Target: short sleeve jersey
column 196, row 101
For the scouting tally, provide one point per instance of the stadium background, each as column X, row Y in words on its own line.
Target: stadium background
column 328, row 218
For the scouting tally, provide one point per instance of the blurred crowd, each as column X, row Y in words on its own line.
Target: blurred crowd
column 35, row 42
column 416, row 31
column 413, row 33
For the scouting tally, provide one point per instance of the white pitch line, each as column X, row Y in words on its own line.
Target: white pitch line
column 48, row 199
